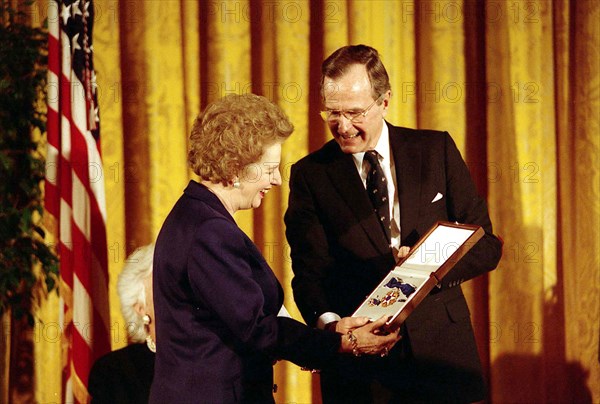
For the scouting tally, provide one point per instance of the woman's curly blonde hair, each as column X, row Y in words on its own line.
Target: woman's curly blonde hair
column 232, row 133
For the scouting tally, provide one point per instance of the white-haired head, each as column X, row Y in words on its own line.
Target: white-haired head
column 131, row 288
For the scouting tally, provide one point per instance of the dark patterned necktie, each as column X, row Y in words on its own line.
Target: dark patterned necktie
column 378, row 191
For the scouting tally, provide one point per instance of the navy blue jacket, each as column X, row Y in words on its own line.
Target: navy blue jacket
column 216, row 302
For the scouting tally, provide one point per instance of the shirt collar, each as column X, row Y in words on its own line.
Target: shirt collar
column 382, row 147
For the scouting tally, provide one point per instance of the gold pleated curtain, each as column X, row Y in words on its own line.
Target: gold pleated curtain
column 516, row 83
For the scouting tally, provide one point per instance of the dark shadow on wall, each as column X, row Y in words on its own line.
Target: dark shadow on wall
column 520, row 379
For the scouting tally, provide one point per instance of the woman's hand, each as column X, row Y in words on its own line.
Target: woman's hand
column 367, row 338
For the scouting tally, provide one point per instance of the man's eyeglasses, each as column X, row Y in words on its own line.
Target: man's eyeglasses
column 331, row 115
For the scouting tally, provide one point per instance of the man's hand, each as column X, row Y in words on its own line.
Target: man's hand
column 368, row 338
column 403, row 251
column 349, row 324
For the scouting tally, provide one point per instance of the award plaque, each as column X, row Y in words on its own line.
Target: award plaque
column 411, row 280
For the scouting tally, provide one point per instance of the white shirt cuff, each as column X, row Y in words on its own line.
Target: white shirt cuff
column 327, row 318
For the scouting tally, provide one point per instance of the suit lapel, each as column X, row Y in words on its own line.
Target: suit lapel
column 407, row 157
column 347, row 182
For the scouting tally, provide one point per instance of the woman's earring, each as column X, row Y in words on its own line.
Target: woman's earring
column 149, row 341
column 236, row 184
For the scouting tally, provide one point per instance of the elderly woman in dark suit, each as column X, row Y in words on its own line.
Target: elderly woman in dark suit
column 216, row 299
column 125, row 375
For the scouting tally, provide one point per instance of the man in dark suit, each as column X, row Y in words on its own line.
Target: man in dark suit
column 351, row 216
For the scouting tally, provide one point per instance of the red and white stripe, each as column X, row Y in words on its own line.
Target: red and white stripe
column 75, row 197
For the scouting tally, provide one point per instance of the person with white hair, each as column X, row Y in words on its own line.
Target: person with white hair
column 125, row 375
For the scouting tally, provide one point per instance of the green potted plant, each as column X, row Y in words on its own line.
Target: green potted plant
column 28, row 267
column 25, row 259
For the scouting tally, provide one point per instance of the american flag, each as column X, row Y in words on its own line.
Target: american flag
column 75, row 192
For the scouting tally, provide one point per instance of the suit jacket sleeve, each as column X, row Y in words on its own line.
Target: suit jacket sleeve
column 464, row 205
column 310, row 250
column 221, row 277
column 224, row 269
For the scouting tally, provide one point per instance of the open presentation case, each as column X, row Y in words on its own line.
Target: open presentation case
column 411, row 280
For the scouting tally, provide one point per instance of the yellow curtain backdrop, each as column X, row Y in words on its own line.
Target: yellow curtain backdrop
column 516, row 83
